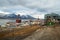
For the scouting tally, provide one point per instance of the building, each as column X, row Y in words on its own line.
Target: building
column 52, row 18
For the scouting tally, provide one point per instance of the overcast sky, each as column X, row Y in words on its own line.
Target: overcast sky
column 30, row 7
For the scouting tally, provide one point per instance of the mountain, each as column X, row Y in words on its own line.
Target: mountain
column 10, row 16
column 13, row 16
column 27, row 17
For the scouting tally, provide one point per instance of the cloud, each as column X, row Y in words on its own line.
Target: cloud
column 30, row 7
column 44, row 5
column 1, row 12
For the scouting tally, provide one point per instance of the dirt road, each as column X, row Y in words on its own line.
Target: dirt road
column 15, row 34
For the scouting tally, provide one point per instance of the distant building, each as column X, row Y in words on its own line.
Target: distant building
column 52, row 17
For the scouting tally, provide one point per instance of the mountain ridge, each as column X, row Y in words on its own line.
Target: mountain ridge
column 13, row 16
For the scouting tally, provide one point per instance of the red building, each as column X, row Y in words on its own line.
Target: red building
column 18, row 20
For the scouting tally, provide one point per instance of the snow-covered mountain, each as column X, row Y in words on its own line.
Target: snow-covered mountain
column 26, row 17
column 15, row 16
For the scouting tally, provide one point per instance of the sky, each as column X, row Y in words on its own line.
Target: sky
column 35, row 8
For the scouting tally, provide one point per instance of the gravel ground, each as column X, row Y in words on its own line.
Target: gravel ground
column 45, row 34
